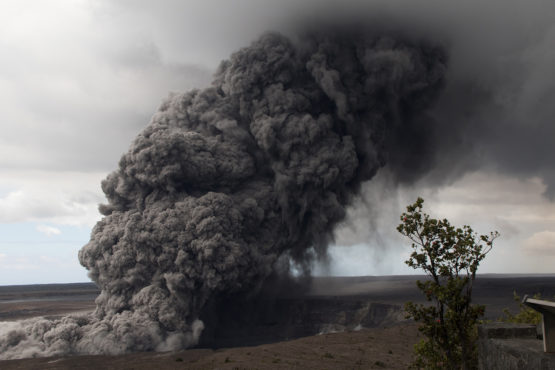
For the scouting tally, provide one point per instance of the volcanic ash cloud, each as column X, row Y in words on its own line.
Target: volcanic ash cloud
column 227, row 181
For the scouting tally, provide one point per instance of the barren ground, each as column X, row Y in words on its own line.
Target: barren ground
column 381, row 347
column 365, row 349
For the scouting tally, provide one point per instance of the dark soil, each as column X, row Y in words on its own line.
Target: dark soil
column 377, row 348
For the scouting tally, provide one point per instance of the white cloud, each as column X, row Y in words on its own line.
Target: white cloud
column 56, row 197
column 542, row 243
column 35, row 268
column 511, row 205
column 78, row 84
column 48, row 230
column 485, row 201
column 11, row 264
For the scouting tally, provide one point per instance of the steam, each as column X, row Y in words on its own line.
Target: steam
column 228, row 184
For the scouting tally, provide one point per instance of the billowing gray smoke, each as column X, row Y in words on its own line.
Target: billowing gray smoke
column 230, row 183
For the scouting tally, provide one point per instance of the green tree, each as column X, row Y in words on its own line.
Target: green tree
column 525, row 314
column 450, row 257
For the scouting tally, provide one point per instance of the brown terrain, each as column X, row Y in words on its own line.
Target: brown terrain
column 365, row 349
column 19, row 302
column 365, row 311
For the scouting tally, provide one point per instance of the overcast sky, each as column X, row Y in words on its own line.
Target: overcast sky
column 79, row 79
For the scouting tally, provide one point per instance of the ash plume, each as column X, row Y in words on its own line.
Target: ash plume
column 230, row 185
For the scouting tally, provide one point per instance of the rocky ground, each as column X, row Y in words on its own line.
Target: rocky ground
column 385, row 342
column 375, row 348
column 51, row 300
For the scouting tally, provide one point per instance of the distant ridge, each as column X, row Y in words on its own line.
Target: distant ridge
column 84, row 285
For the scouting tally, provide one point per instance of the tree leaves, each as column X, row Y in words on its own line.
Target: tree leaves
column 450, row 256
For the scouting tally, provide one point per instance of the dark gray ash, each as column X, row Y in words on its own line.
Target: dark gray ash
column 228, row 182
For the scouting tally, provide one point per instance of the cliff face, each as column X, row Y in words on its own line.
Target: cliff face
column 282, row 319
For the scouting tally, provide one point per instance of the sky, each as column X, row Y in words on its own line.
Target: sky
column 80, row 79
